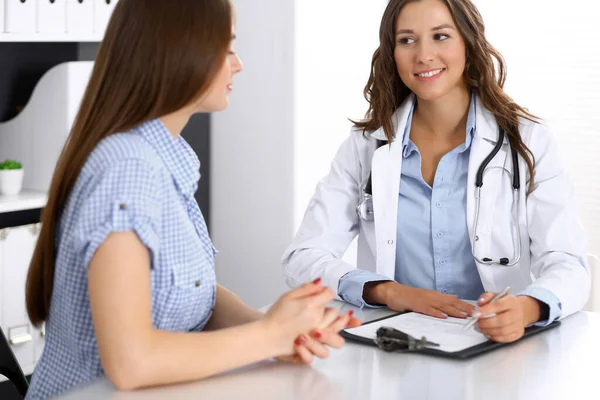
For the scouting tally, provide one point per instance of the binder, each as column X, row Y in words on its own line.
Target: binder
column 80, row 17
column 19, row 16
column 52, row 16
column 103, row 9
column 459, row 355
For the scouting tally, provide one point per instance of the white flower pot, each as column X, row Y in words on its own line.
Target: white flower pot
column 11, row 181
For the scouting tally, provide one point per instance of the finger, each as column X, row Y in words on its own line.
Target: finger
column 315, row 347
column 499, row 331
column 330, row 339
column 320, row 299
column 452, row 311
column 485, row 298
column 304, row 354
column 498, row 321
column 465, row 308
column 308, row 289
column 294, row 359
column 507, row 338
column 339, row 324
column 331, row 315
column 353, row 323
column 432, row 312
column 497, row 307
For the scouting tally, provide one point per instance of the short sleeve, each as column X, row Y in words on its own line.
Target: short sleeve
column 123, row 197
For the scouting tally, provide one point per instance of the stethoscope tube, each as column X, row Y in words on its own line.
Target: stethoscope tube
column 516, row 186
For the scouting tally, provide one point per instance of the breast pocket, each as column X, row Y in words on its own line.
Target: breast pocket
column 187, row 303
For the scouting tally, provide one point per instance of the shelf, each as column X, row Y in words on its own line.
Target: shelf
column 48, row 37
column 26, row 200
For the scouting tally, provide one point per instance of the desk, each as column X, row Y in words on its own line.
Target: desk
column 558, row 364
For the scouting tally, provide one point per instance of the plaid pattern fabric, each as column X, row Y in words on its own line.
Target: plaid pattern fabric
column 142, row 181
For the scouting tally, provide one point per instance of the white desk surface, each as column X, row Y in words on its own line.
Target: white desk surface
column 558, row 364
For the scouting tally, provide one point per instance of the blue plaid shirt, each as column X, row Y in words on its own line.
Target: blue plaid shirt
column 142, row 181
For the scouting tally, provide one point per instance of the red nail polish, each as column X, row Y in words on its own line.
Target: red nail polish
column 298, row 342
column 350, row 313
column 317, row 281
column 303, row 339
column 317, row 335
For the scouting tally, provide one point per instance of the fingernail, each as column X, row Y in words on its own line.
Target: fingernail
column 444, row 315
column 317, row 335
column 298, row 342
column 464, row 314
column 350, row 313
column 317, row 281
column 476, row 314
column 481, row 300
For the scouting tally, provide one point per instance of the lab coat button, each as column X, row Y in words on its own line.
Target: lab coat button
column 390, row 242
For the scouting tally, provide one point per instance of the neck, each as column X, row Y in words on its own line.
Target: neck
column 176, row 121
column 445, row 116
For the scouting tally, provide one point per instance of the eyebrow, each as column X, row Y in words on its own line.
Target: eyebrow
column 435, row 28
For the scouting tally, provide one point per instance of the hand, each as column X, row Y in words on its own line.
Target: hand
column 308, row 346
column 508, row 316
column 429, row 302
column 295, row 313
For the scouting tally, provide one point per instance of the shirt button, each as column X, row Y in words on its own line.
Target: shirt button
column 442, row 262
column 444, row 291
column 197, row 283
column 440, row 234
column 122, row 206
column 438, row 204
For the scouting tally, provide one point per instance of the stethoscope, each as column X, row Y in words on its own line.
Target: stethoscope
column 364, row 208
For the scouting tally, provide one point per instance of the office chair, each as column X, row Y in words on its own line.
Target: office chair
column 10, row 368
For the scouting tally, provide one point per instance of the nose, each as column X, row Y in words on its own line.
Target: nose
column 236, row 64
column 425, row 53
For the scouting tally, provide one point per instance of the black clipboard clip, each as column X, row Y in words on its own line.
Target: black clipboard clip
column 390, row 339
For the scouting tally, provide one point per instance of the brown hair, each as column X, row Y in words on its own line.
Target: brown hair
column 157, row 56
column 385, row 91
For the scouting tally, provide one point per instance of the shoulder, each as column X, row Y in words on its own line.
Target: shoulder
column 537, row 136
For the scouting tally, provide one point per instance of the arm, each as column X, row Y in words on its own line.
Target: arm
column 231, row 311
column 330, row 222
column 135, row 355
column 558, row 239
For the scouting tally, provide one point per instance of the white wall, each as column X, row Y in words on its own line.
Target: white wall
column 306, row 63
column 553, row 57
column 251, row 151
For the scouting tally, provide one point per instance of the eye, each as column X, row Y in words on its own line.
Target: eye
column 406, row 40
column 441, row 36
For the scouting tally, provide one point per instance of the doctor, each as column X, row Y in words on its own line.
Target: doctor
column 446, row 220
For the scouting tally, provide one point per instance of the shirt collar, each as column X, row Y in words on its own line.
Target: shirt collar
column 408, row 146
column 176, row 153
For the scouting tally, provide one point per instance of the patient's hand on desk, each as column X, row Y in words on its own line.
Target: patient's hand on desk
column 304, row 325
column 327, row 335
column 400, row 297
column 512, row 315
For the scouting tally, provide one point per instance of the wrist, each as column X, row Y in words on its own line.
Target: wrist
column 376, row 292
column 532, row 310
column 275, row 341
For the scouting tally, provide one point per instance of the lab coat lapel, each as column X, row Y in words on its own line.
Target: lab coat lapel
column 386, row 168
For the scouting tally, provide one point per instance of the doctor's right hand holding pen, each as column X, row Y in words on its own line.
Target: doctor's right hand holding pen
column 503, row 317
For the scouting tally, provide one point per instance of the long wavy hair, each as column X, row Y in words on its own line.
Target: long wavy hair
column 385, row 91
column 157, row 56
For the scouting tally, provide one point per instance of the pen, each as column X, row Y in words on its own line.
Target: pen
column 496, row 297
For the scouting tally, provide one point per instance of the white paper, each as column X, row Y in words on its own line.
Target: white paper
column 448, row 333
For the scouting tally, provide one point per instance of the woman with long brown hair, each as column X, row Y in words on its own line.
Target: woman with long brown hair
column 123, row 272
column 454, row 191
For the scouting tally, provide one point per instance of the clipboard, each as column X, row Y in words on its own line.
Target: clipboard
column 467, row 353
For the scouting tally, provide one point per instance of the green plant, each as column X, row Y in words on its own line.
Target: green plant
column 10, row 164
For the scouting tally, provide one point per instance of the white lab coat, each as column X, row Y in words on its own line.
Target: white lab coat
column 553, row 240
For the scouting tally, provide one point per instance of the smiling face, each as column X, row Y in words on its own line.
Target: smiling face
column 429, row 51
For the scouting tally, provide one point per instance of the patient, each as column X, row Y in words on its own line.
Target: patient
column 123, row 272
